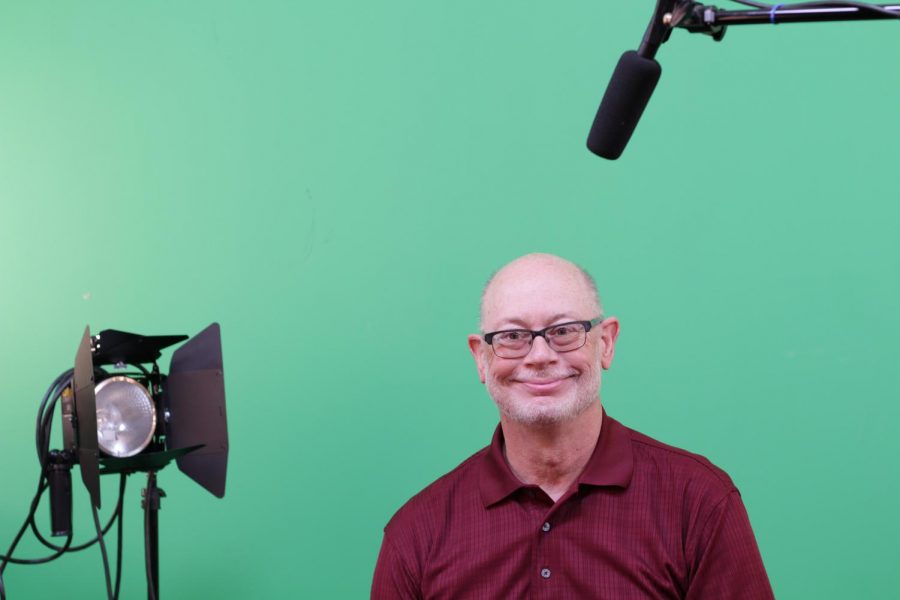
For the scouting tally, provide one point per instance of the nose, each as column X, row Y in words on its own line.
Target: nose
column 540, row 353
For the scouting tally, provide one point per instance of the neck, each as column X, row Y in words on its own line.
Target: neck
column 552, row 455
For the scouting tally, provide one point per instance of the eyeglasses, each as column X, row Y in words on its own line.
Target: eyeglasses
column 563, row 337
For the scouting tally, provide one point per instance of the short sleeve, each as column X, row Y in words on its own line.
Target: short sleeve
column 725, row 562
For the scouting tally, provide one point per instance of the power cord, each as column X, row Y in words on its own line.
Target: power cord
column 43, row 428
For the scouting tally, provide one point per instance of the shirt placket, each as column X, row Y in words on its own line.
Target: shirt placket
column 546, row 567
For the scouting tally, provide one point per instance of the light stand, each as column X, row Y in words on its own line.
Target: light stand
column 151, row 504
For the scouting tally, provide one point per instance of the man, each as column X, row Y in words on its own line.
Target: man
column 566, row 502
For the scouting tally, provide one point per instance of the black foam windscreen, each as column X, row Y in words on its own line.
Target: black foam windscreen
column 86, row 415
column 195, row 396
column 626, row 96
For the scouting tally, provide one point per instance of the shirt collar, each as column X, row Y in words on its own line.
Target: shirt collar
column 611, row 463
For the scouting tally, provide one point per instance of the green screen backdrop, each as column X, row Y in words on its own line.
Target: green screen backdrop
column 333, row 182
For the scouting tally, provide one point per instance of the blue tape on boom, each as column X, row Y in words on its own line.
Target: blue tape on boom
column 772, row 13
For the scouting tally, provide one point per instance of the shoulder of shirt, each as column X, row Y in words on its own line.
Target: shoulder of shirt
column 440, row 491
column 689, row 463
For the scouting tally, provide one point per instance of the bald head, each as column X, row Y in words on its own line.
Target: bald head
column 532, row 276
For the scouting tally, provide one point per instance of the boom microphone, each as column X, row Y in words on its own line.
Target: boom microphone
column 626, row 96
column 637, row 73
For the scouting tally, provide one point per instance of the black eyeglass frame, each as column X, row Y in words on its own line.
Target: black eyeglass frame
column 588, row 325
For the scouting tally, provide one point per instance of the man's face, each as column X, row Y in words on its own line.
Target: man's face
column 544, row 386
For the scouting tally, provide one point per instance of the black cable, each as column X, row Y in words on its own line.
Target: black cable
column 40, row 561
column 43, row 429
column 46, row 430
column 112, row 519
column 58, row 551
column 44, row 421
column 12, row 547
column 142, row 369
column 109, row 592
column 45, row 424
column 41, row 442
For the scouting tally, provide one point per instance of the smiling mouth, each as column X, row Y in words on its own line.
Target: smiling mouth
column 544, row 384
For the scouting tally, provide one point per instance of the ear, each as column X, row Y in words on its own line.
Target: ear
column 609, row 331
column 477, row 349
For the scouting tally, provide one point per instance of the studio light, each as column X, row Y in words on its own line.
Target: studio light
column 121, row 415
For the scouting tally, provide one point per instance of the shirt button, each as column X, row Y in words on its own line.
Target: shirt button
column 545, row 573
column 546, row 527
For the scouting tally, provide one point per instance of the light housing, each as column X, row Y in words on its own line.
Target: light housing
column 188, row 406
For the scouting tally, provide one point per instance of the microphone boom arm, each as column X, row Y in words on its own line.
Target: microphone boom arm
column 712, row 20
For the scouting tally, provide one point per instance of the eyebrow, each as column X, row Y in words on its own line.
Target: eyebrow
column 518, row 323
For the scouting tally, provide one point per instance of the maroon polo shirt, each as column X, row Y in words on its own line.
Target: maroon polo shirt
column 643, row 521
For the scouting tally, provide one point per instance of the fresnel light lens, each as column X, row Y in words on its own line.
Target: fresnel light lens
column 126, row 416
